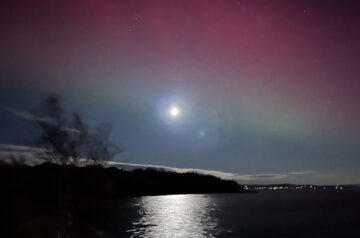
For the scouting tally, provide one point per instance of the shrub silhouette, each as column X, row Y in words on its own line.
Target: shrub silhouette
column 67, row 141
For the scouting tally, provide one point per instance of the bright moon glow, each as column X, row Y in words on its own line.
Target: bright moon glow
column 174, row 111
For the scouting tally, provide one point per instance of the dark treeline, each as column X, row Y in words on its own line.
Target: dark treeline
column 52, row 200
column 51, row 181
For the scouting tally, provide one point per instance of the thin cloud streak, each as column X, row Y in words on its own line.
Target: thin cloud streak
column 300, row 172
column 31, row 117
column 26, row 115
column 27, row 153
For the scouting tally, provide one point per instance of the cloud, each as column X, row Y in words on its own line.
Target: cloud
column 300, row 172
column 20, row 148
column 261, row 176
column 28, row 153
column 224, row 175
column 31, row 117
column 14, row 148
column 26, row 115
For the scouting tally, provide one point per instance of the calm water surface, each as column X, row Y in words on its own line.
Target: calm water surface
column 266, row 214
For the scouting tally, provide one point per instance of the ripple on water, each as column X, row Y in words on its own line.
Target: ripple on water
column 178, row 215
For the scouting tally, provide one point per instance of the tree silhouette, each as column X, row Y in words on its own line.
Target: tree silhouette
column 71, row 141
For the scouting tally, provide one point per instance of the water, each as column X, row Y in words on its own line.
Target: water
column 266, row 214
column 181, row 215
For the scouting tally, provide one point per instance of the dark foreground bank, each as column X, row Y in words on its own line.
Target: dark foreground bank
column 51, row 200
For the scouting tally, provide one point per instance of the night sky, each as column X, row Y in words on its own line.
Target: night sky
column 268, row 88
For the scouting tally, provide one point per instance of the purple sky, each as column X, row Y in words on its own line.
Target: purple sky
column 263, row 86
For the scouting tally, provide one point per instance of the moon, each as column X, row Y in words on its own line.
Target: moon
column 174, row 111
